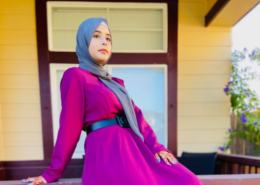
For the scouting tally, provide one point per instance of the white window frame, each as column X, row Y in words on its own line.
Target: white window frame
column 64, row 4
column 55, row 91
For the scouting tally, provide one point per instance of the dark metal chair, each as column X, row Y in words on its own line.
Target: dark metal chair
column 199, row 163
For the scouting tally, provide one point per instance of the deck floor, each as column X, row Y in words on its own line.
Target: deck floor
column 247, row 179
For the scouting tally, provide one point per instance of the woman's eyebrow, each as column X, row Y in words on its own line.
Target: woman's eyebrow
column 100, row 32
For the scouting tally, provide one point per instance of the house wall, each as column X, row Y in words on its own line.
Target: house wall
column 20, row 118
column 1, row 130
column 203, row 70
column 204, row 67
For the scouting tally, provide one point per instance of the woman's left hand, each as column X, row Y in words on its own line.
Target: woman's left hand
column 166, row 156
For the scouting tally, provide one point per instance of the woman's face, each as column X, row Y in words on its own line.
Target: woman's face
column 100, row 44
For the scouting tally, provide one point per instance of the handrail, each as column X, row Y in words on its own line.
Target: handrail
column 242, row 159
column 237, row 164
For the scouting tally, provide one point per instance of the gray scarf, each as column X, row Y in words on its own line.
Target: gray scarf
column 84, row 35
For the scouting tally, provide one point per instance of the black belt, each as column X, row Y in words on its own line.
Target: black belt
column 120, row 120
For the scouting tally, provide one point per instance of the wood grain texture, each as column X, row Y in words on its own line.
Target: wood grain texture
column 203, row 109
column 208, row 67
column 203, row 122
column 21, row 125
column 20, row 96
column 20, row 110
column 24, row 152
column 192, row 9
column 22, row 21
column 19, row 82
column 17, row 7
column 18, row 37
column 204, row 67
column 22, row 139
column 201, row 96
column 205, row 38
column 203, row 82
column 200, row 53
column 18, row 52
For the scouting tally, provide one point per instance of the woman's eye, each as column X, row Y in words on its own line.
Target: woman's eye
column 108, row 39
column 95, row 36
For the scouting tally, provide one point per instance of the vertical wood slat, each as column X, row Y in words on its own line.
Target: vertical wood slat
column 240, row 169
column 224, row 167
column 234, row 168
column 258, row 171
column 252, row 169
column 217, row 167
column 229, row 165
column 246, row 169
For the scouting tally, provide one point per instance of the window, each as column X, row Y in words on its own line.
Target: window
column 144, row 29
column 151, row 96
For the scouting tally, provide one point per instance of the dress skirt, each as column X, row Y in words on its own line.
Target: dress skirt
column 113, row 155
column 117, row 156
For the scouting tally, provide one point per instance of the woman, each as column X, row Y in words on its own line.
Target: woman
column 114, row 155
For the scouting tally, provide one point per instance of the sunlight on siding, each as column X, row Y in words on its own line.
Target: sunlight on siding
column 20, row 116
column 204, row 59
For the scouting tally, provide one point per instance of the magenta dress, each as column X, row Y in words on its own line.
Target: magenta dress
column 113, row 155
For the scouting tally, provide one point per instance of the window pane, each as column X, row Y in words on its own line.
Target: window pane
column 146, row 87
column 64, row 39
column 137, row 40
column 72, row 17
column 136, row 18
column 144, row 29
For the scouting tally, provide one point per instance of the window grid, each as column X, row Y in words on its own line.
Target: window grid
column 108, row 7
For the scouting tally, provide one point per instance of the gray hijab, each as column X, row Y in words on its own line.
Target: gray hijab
column 84, row 35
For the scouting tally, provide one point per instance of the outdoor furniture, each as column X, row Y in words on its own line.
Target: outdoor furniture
column 199, row 163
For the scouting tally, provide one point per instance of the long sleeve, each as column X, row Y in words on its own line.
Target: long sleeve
column 71, row 124
column 150, row 138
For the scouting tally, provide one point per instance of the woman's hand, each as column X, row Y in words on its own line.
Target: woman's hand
column 35, row 180
column 167, row 156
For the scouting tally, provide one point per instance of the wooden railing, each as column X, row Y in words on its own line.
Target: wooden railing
column 237, row 164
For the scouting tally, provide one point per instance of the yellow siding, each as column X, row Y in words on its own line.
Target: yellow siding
column 210, row 4
column 233, row 12
column 20, row 116
column 204, row 61
column 1, row 130
column 203, row 70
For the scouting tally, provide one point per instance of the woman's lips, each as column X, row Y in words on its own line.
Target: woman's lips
column 103, row 51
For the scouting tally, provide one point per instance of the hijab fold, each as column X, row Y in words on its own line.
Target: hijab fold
column 85, row 32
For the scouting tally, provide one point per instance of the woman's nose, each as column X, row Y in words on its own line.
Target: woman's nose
column 104, row 41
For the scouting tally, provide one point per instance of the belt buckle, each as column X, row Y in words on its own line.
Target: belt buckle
column 122, row 121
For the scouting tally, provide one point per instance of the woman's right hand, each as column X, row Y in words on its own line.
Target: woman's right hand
column 35, row 180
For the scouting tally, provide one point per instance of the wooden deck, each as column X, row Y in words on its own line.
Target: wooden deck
column 244, row 179
column 229, row 170
column 240, row 179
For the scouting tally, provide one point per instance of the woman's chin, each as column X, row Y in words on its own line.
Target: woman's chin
column 101, row 61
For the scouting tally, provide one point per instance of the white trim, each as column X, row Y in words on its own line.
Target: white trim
column 107, row 5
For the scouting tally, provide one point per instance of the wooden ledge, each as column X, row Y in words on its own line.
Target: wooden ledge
column 235, row 179
column 71, row 181
column 243, row 179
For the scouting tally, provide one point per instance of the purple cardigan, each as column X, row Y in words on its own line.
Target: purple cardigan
column 85, row 100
